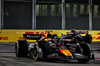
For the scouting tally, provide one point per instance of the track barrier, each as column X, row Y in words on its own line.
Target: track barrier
column 14, row 35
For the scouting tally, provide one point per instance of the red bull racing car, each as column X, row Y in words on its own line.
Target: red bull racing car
column 48, row 46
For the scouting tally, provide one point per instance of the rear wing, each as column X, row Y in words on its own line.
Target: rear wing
column 82, row 32
column 78, row 32
column 68, row 40
column 32, row 36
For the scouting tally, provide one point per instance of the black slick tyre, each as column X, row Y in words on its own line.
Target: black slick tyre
column 21, row 48
column 85, row 50
column 88, row 38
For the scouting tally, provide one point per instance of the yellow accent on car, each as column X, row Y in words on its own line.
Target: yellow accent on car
column 37, row 53
column 17, row 49
column 47, row 39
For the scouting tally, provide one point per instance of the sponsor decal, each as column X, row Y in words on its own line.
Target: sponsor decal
column 98, row 38
column 29, row 32
column 0, row 38
column 93, row 38
column 3, row 38
column 20, row 38
column 36, row 33
column 98, row 34
column 14, row 35
column 31, row 35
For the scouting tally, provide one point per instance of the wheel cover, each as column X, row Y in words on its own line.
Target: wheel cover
column 35, row 52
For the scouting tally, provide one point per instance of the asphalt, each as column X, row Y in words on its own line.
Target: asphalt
column 8, row 58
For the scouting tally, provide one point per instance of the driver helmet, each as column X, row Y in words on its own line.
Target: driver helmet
column 72, row 30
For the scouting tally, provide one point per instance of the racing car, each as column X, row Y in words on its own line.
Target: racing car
column 49, row 46
column 75, row 35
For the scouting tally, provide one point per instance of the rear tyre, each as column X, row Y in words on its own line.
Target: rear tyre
column 21, row 48
column 43, row 46
column 85, row 50
column 88, row 38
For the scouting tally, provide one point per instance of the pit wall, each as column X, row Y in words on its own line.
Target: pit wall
column 14, row 35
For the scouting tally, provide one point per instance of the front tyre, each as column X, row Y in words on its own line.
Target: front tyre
column 85, row 50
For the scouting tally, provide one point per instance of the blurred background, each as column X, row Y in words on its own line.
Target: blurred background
column 50, row 14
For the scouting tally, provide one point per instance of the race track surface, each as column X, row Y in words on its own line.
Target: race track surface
column 8, row 58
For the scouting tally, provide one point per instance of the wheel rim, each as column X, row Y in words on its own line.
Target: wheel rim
column 35, row 52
